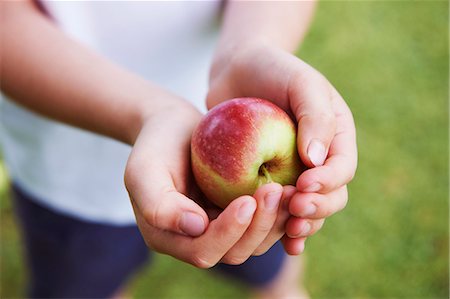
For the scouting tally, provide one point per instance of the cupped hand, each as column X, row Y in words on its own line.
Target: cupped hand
column 326, row 131
column 172, row 215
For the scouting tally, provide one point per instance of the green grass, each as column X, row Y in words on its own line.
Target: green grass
column 390, row 62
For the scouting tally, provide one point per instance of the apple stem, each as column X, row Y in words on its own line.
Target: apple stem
column 266, row 174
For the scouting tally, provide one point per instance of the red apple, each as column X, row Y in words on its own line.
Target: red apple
column 240, row 145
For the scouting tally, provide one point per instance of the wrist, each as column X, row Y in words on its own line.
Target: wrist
column 162, row 107
column 229, row 54
column 156, row 107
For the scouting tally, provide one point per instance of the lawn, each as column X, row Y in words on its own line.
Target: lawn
column 390, row 62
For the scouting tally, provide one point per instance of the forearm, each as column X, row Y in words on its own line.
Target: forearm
column 43, row 69
column 281, row 24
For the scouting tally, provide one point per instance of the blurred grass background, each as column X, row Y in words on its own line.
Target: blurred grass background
column 390, row 62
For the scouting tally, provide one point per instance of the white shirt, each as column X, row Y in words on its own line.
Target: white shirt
column 80, row 173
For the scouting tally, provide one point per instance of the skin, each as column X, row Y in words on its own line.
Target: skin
column 255, row 37
column 251, row 44
column 233, row 142
column 172, row 217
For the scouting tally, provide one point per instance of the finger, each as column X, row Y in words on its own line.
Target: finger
column 222, row 233
column 310, row 99
column 293, row 246
column 268, row 198
column 339, row 169
column 278, row 228
column 316, row 205
column 174, row 212
column 300, row 227
column 159, row 202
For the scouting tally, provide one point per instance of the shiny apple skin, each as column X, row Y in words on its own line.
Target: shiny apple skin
column 233, row 141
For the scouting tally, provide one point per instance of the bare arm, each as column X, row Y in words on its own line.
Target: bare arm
column 46, row 71
column 282, row 24
column 254, row 59
column 51, row 74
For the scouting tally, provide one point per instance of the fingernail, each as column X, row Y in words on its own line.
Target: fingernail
column 246, row 212
column 309, row 210
column 272, row 200
column 192, row 224
column 302, row 246
column 314, row 187
column 317, row 152
column 305, row 229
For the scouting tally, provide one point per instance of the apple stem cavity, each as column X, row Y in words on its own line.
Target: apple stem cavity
column 266, row 173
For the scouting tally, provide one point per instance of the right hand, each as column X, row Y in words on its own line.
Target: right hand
column 326, row 138
column 159, row 180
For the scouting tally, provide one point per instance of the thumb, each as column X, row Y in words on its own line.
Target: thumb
column 174, row 212
column 312, row 107
column 160, row 205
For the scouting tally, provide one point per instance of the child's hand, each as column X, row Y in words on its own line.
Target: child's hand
column 170, row 211
column 326, row 132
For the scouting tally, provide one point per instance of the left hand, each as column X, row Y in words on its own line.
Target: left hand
column 326, row 137
column 172, row 214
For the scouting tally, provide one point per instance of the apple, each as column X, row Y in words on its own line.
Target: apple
column 242, row 144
